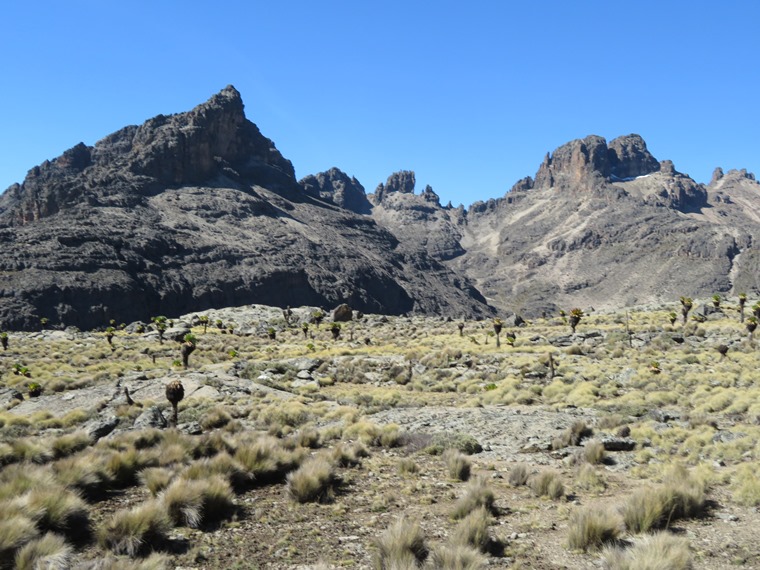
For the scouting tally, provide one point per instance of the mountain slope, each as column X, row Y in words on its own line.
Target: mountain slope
column 602, row 225
column 193, row 211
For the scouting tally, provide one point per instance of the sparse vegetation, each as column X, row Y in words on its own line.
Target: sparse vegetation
column 373, row 431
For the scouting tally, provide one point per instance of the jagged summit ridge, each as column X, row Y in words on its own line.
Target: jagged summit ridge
column 199, row 210
column 212, row 139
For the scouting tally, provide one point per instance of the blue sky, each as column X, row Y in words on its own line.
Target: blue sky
column 469, row 95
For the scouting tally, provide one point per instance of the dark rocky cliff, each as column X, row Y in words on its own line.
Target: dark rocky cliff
column 193, row 211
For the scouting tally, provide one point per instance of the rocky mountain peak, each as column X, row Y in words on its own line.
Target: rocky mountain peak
column 575, row 164
column 585, row 163
column 213, row 139
column 402, row 181
column 629, row 157
column 336, row 186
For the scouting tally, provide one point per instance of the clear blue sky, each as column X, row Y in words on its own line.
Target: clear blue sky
column 469, row 95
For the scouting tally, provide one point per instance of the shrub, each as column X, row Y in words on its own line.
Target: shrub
column 519, row 474
column 661, row 551
column 457, row 557
column 458, row 465
column 477, row 494
column 547, row 483
column 135, row 530
column 313, row 481
column 50, row 551
column 460, row 441
column 592, row 527
column 402, row 545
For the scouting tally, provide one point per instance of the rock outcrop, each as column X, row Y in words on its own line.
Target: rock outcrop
column 336, row 186
column 193, row 211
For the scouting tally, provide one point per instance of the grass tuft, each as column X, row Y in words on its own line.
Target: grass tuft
column 519, row 474
column 458, row 465
column 49, row 552
column 313, row 481
column 660, row 551
column 547, row 483
column 591, row 528
column 401, row 546
column 457, row 557
column 136, row 530
column 477, row 494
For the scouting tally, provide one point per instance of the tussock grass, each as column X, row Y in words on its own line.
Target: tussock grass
column 80, row 473
column 221, row 464
column 155, row 561
column 58, row 510
column 590, row 528
column 746, row 486
column 593, row 452
column 312, row 481
column 547, row 483
column 457, row 557
column 69, row 444
column 472, row 530
column 211, row 444
column 308, row 437
column 572, row 435
column 136, row 530
column 123, row 466
column 589, row 479
column 401, row 546
column 477, row 494
column 156, row 479
column 519, row 474
column 649, row 508
column 15, row 531
column 18, row 479
column 266, row 459
column 215, row 418
column 407, row 466
column 193, row 503
column 49, row 552
column 661, row 551
column 458, row 466
column 349, row 455
column 33, row 450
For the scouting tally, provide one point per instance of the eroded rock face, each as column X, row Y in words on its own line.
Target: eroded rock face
column 336, row 186
column 629, row 157
column 402, row 182
column 199, row 210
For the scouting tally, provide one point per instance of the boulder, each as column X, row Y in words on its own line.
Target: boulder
column 342, row 314
column 151, row 418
